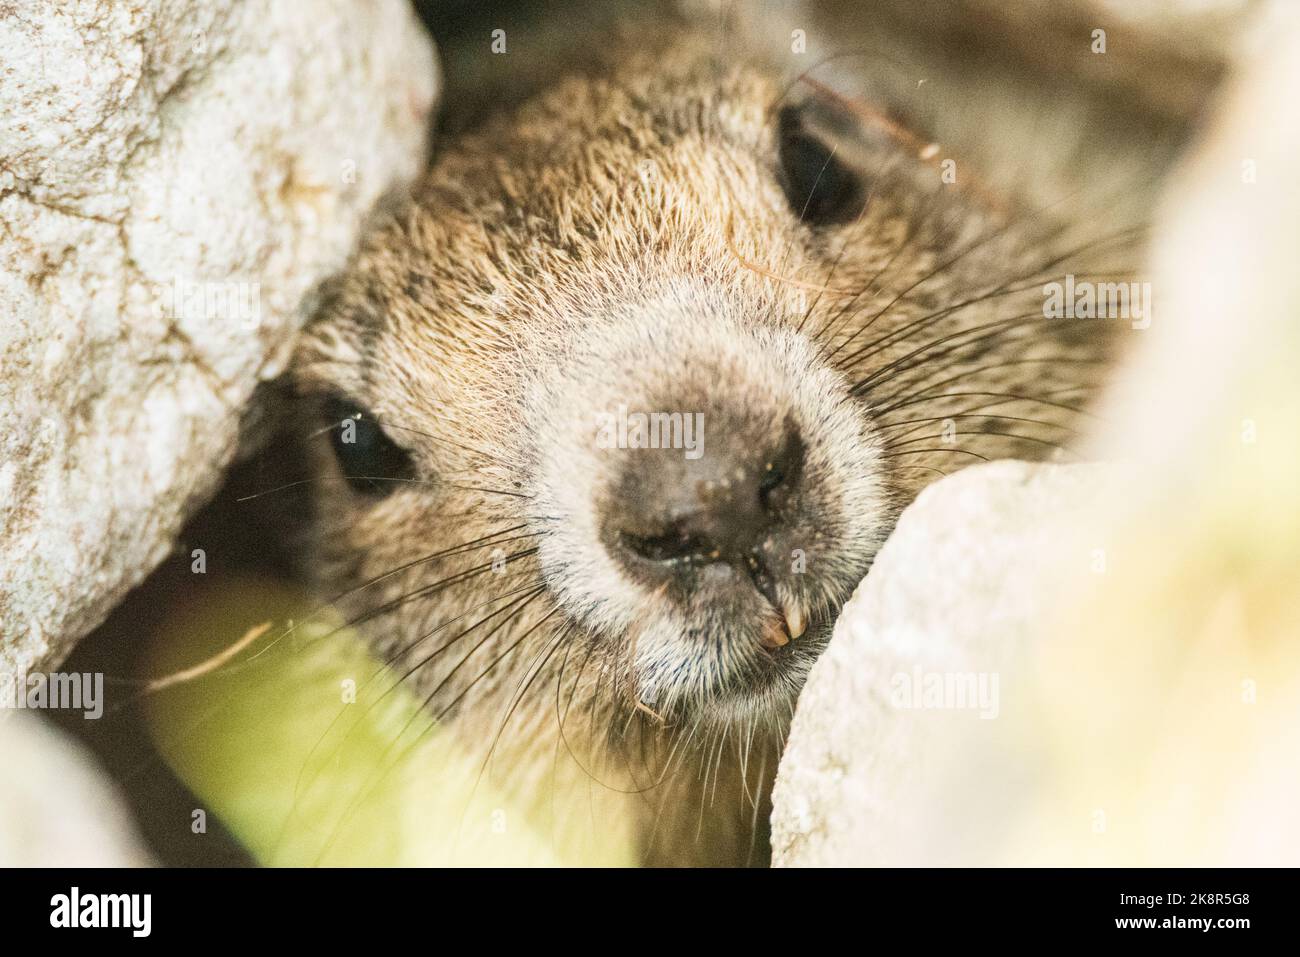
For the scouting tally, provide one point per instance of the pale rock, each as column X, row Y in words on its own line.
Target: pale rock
column 146, row 146
column 924, row 669
column 56, row 809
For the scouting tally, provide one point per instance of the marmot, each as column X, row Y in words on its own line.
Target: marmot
column 638, row 378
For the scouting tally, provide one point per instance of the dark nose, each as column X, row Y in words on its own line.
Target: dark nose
column 670, row 511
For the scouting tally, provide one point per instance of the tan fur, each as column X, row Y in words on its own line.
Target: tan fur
column 624, row 238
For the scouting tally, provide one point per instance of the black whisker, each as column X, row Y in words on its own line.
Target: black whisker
column 382, row 478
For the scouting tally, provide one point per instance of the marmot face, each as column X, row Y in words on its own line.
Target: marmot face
column 643, row 372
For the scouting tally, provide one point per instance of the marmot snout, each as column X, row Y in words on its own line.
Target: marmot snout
column 715, row 494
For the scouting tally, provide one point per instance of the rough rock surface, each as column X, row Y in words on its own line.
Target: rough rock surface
column 174, row 176
column 955, row 598
column 55, row 808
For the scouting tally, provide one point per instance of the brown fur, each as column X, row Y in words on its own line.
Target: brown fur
column 624, row 237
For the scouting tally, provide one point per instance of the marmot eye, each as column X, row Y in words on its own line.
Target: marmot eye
column 820, row 189
column 371, row 462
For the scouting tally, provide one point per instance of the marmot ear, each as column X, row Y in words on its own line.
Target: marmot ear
column 372, row 463
column 821, row 190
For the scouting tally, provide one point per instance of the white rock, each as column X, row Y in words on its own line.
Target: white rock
column 55, row 808
column 955, row 598
column 224, row 148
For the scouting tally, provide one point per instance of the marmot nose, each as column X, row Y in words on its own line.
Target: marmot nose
column 669, row 511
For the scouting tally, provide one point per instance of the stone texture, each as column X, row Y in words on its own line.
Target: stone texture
column 55, row 808
column 228, row 151
column 960, row 589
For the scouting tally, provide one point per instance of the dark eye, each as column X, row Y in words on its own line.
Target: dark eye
column 372, row 463
column 821, row 190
